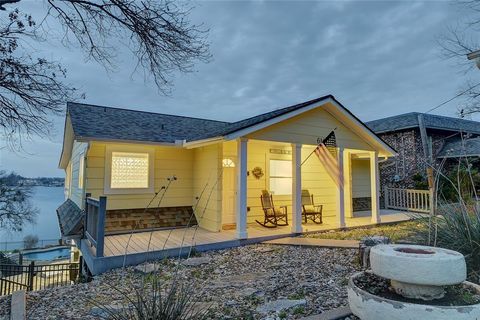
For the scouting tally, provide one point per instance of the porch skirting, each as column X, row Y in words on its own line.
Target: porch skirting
column 151, row 218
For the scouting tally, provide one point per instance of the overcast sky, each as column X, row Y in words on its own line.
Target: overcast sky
column 378, row 58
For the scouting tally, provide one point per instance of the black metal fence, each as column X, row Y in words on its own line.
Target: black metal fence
column 36, row 277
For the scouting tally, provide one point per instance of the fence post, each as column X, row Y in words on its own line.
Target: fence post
column 102, row 208
column 31, row 269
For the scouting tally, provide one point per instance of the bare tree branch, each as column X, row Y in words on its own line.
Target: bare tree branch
column 15, row 207
column 32, row 89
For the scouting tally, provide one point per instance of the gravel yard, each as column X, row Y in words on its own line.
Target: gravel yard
column 251, row 282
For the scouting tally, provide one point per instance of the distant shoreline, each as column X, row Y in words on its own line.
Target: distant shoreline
column 13, row 179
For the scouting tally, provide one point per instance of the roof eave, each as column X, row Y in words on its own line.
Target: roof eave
column 202, row 142
column 109, row 140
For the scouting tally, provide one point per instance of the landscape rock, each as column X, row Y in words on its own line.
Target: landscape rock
column 280, row 305
column 196, row 261
column 147, row 268
column 107, row 311
column 237, row 281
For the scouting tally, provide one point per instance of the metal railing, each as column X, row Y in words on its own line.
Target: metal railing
column 19, row 245
column 36, row 277
column 408, row 199
column 95, row 211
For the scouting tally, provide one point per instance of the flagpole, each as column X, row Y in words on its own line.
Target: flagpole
column 301, row 164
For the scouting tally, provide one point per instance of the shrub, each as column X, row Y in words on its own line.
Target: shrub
column 155, row 300
column 457, row 227
column 30, row 241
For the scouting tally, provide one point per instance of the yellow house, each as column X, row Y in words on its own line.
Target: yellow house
column 161, row 171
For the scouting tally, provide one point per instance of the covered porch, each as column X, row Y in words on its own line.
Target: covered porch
column 347, row 190
column 198, row 238
column 139, row 247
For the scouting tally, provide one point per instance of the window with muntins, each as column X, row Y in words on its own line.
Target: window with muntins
column 280, row 177
column 130, row 170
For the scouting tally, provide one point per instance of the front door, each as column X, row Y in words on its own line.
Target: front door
column 229, row 188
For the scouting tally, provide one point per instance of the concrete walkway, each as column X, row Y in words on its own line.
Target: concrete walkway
column 313, row 242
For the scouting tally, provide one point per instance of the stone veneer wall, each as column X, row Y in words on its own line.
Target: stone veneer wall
column 138, row 219
column 362, row 204
column 365, row 203
column 410, row 159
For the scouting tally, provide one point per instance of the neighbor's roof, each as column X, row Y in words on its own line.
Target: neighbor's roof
column 410, row 120
column 455, row 148
column 107, row 123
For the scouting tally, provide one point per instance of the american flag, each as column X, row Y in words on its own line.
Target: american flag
column 326, row 151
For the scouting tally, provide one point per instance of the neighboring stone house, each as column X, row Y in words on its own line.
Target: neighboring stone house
column 419, row 138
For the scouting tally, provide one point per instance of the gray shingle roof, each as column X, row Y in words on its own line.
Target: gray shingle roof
column 454, row 147
column 98, row 122
column 410, row 120
column 70, row 218
column 107, row 123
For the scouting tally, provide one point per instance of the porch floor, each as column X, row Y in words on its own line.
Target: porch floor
column 160, row 240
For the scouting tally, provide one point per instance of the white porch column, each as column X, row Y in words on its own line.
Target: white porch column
column 340, row 191
column 241, row 203
column 347, row 180
column 296, row 188
column 375, row 187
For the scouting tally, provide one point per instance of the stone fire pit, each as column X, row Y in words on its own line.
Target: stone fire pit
column 414, row 282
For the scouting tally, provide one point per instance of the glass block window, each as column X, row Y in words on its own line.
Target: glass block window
column 281, row 177
column 129, row 170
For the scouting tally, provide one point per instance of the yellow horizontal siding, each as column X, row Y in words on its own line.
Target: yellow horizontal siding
column 169, row 161
column 76, row 194
column 361, row 181
column 307, row 127
column 207, row 186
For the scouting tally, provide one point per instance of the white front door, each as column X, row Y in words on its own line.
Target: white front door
column 228, row 206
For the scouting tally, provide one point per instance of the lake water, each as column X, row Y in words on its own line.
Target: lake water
column 47, row 200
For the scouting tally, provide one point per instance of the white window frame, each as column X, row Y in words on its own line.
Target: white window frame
column 129, row 149
column 270, row 176
column 81, row 170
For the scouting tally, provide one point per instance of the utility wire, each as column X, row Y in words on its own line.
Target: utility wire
column 455, row 97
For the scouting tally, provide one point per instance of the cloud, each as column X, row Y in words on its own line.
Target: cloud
column 378, row 58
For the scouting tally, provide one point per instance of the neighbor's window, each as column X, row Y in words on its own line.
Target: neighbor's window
column 281, row 177
column 129, row 170
column 81, row 168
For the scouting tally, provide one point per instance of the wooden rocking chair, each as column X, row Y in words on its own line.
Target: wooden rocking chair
column 310, row 210
column 273, row 217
